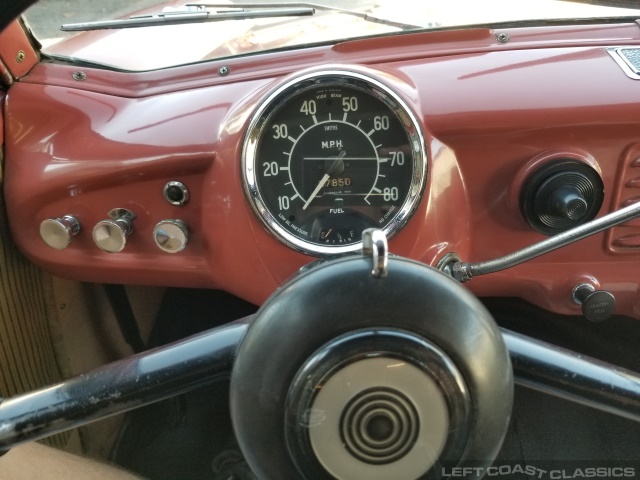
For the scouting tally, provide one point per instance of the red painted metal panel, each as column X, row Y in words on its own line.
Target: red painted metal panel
column 113, row 141
column 16, row 52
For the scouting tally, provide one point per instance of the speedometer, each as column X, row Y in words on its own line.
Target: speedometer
column 330, row 154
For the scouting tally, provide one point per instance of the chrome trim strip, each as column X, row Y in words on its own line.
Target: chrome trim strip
column 627, row 67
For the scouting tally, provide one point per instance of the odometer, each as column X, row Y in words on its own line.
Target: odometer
column 330, row 154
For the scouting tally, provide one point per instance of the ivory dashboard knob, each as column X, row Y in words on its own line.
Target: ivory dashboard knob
column 110, row 235
column 171, row 236
column 59, row 232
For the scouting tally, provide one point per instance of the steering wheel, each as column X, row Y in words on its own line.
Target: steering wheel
column 346, row 373
column 366, row 365
column 12, row 10
column 360, row 366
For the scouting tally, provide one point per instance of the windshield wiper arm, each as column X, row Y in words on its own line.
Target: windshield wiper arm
column 199, row 15
column 317, row 6
column 608, row 3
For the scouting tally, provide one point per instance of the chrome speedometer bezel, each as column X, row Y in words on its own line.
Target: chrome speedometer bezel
column 338, row 76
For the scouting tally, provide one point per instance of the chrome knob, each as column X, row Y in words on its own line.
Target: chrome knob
column 59, row 232
column 171, row 236
column 111, row 234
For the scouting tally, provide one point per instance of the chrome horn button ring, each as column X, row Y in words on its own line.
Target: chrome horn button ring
column 391, row 377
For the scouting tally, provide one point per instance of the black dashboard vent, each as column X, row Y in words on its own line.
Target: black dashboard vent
column 561, row 195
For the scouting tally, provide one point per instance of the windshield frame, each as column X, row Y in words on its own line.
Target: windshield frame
column 520, row 23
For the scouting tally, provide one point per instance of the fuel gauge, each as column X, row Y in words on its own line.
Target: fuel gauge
column 346, row 227
column 334, row 235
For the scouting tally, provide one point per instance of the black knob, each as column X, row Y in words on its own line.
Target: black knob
column 568, row 202
column 561, row 195
column 597, row 305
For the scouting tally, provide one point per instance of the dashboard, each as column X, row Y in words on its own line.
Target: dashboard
column 234, row 174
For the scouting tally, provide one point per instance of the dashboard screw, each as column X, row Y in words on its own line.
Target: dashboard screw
column 20, row 56
column 79, row 76
column 502, row 37
column 224, row 70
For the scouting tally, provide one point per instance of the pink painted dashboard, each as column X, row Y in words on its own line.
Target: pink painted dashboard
column 491, row 113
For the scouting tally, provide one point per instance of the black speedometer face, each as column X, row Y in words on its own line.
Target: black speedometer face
column 330, row 155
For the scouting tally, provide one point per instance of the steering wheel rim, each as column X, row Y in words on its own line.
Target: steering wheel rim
column 334, row 302
column 12, row 10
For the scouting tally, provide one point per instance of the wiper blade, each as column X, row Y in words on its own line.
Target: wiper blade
column 201, row 14
column 317, row 6
column 608, row 3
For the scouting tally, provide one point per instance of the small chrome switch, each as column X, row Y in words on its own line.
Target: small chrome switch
column 597, row 305
column 176, row 193
column 111, row 234
column 171, row 236
column 59, row 232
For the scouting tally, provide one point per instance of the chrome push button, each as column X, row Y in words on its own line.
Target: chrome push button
column 58, row 233
column 171, row 236
column 110, row 235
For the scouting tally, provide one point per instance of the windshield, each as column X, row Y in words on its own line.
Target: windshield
column 196, row 40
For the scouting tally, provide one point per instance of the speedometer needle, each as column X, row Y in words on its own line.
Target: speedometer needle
column 336, row 166
column 316, row 190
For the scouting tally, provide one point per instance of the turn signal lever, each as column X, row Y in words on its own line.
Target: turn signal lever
column 463, row 271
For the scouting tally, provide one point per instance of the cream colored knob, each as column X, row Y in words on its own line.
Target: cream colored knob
column 59, row 232
column 171, row 236
column 111, row 234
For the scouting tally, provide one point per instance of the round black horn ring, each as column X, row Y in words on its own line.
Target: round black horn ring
column 340, row 297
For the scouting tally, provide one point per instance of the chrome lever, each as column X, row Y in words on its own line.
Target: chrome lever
column 464, row 271
column 374, row 244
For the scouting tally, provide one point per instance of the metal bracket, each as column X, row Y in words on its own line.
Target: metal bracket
column 374, row 244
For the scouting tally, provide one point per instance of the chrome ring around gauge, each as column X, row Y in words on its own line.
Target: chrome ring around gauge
column 330, row 154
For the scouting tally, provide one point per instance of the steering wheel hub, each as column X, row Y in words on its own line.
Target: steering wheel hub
column 333, row 380
column 382, row 401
